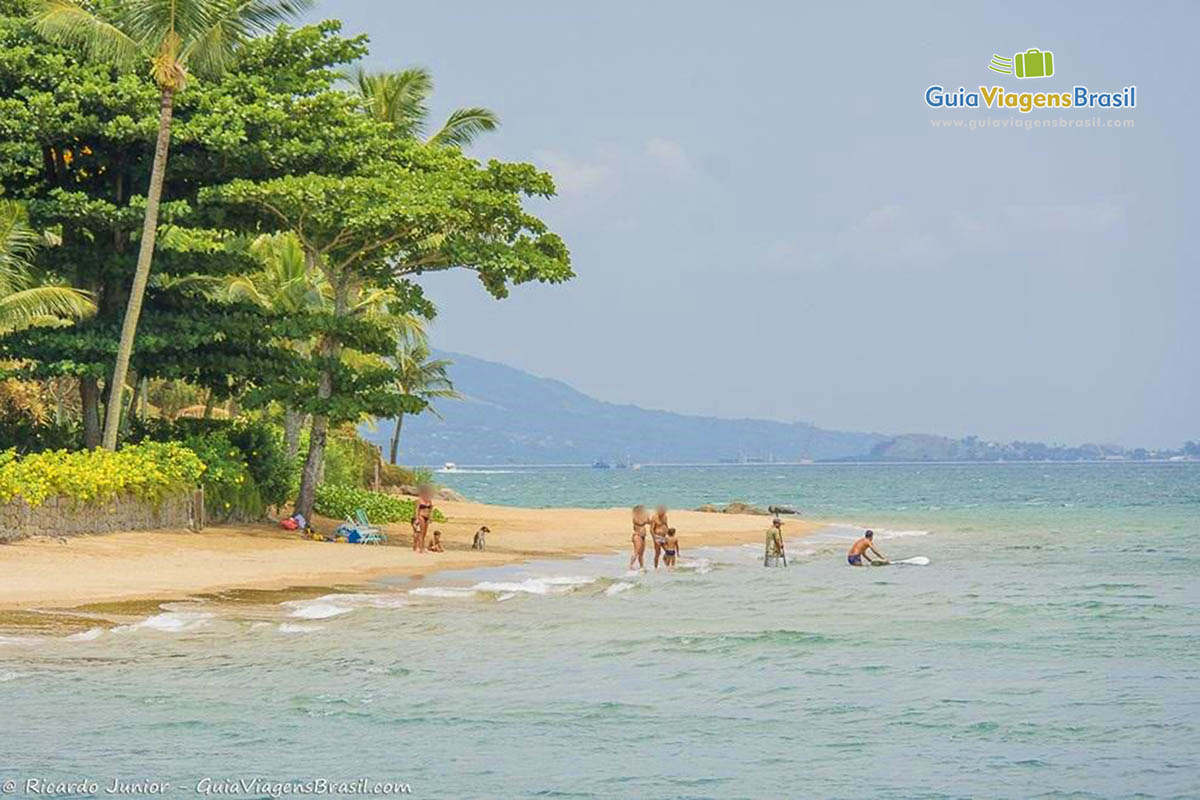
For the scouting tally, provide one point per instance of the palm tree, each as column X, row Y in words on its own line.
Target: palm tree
column 173, row 36
column 401, row 98
column 418, row 375
column 22, row 304
column 286, row 283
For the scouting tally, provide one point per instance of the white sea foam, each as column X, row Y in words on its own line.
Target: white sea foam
column 334, row 605
column 169, row 622
column 884, row 533
column 442, row 591
column 319, row 611
column 5, row 677
column 298, row 627
column 557, row 585
column 506, row 590
column 20, row 640
column 618, row 587
column 86, row 636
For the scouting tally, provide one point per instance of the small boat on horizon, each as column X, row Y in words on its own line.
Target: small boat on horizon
column 601, row 465
column 450, row 466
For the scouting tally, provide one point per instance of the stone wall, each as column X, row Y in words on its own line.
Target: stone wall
column 62, row 516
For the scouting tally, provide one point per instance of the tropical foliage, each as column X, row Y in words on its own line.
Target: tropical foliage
column 402, row 99
column 420, row 375
column 288, row 237
column 148, row 471
column 340, row 502
column 23, row 304
column 170, row 37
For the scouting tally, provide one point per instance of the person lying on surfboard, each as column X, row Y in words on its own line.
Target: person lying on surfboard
column 860, row 548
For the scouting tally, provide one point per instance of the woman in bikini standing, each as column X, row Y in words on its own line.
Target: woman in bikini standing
column 422, row 511
column 658, row 529
column 641, row 520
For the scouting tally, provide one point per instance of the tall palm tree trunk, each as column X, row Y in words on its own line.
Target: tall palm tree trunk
column 112, row 417
column 396, row 439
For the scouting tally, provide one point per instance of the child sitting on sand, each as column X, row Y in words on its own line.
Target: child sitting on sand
column 670, row 549
column 436, row 546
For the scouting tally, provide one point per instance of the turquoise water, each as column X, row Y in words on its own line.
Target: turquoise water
column 1048, row 650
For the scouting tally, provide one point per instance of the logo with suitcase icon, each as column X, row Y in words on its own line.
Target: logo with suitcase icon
column 1033, row 63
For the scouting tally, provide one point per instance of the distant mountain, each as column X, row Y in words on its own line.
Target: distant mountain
column 511, row 417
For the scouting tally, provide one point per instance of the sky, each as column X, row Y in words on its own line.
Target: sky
column 765, row 222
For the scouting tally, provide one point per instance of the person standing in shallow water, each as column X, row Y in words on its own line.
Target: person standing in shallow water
column 774, row 553
column 641, row 521
column 658, row 529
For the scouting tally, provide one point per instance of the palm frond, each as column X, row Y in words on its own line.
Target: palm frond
column 216, row 28
column 42, row 305
column 464, row 125
column 70, row 23
column 397, row 97
column 17, row 244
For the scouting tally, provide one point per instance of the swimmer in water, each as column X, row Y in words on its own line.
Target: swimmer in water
column 860, row 549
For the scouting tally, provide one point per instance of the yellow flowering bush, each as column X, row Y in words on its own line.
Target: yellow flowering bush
column 147, row 471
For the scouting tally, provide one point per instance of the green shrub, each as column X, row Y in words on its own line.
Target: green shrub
column 349, row 460
column 149, row 471
column 340, row 502
column 248, row 470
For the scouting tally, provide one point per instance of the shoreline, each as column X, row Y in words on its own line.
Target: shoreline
column 89, row 574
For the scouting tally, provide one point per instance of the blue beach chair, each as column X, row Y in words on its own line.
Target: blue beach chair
column 368, row 533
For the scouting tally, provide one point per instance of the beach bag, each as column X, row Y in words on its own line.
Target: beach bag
column 289, row 524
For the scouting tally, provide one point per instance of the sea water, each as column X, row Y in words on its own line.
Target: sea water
column 1048, row 649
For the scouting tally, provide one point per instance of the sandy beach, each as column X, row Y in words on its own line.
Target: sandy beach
column 173, row 565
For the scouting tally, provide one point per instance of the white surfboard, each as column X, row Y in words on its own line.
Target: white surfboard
column 915, row 561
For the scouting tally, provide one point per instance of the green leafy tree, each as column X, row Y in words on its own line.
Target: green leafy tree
column 419, row 375
column 402, row 99
column 23, row 304
column 76, row 142
column 410, row 210
column 173, row 37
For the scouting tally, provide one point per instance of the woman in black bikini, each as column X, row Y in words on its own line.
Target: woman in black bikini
column 641, row 520
column 421, row 514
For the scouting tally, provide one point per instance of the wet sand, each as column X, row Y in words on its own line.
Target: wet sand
column 108, row 574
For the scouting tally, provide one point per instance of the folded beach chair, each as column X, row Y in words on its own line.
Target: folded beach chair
column 369, row 533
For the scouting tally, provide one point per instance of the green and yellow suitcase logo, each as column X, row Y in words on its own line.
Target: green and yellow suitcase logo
column 1033, row 63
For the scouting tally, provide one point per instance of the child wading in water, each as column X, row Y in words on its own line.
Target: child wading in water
column 670, row 549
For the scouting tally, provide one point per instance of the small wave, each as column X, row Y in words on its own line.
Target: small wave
column 5, row 677
column 442, row 591
column 884, row 533
column 298, row 627
column 617, row 588
column 20, row 640
column 318, row 610
column 534, row 585
column 86, row 636
column 334, row 605
column 169, row 622
column 506, row 590
column 700, row 566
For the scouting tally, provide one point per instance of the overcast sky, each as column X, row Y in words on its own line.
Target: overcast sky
column 765, row 223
